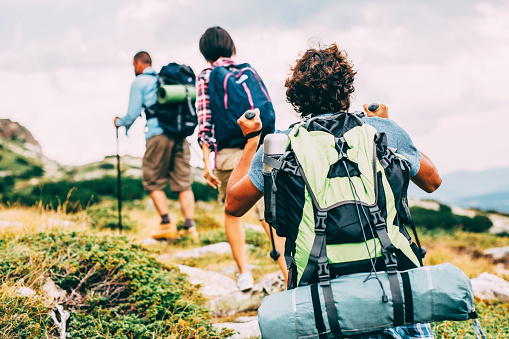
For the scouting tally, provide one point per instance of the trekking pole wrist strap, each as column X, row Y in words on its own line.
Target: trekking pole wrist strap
column 253, row 134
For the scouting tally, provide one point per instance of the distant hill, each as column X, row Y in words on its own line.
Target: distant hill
column 486, row 190
column 22, row 161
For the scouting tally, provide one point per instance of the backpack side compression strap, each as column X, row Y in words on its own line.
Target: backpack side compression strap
column 409, row 304
column 317, row 309
column 316, row 249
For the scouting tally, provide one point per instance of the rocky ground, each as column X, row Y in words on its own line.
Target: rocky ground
column 237, row 310
column 224, row 299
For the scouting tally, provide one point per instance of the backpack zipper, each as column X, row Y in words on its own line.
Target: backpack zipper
column 225, row 82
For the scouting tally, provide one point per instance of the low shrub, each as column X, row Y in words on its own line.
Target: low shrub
column 477, row 224
column 107, row 218
column 23, row 317
column 115, row 289
column 89, row 192
column 106, row 166
column 444, row 219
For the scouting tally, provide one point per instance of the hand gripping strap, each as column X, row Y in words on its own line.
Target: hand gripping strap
column 253, row 134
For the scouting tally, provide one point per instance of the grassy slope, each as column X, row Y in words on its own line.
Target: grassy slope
column 460, row 248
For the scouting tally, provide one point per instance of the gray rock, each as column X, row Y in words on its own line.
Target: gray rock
column 164, row 257
column 256, row 228
column 7, row 223
column 500, row 223
column 245, row 329
column 247, row 319
column 51, row 222
column 501, row 269
column 219, row 248
column 498, row 252
column 271, row 283
column 149, row 241
column 213, row 284
column 489, row 286
column 25, row 291
column 233, row 269
column 53, row 292
column 236, row 302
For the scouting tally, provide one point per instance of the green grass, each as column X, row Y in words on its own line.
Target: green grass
column 121, row 291
column 152, row 288
column 493, row 316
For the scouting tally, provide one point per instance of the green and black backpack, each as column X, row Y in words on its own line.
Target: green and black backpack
column 338, row 195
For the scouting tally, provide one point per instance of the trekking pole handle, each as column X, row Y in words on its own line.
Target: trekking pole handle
column 250, row 114
column 373, row 107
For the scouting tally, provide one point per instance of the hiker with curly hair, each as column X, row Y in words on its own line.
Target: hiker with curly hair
column 321, row 83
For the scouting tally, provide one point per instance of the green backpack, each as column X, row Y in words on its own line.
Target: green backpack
column 338, row 195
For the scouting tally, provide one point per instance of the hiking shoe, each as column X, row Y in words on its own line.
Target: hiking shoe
column 190, row 232
column 245, row 281
column 165, row 232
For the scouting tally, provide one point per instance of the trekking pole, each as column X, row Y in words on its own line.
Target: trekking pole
column 274, row 254
column 119, row 193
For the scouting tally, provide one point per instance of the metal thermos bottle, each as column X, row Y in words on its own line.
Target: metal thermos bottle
column 274, row 145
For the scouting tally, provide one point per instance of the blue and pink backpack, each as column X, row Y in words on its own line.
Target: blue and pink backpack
column 233, row 90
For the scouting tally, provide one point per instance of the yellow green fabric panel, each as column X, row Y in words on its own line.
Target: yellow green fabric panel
column 305, row 237
column 313, row 157
column 354, row 251
column 397, row 239
column 338, row 189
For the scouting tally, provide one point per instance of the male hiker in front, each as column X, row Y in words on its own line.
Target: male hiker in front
column 321, row 83
column 166, row 158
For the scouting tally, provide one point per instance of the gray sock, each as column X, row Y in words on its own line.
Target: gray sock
column 188, row 224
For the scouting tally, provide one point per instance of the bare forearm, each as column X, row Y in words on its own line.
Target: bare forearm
column 206, row 155
column 428, row 179
column 244, row 164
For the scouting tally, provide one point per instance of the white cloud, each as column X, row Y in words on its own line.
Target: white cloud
column 439, row 67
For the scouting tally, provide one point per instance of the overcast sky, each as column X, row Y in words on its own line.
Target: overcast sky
column 440, row 66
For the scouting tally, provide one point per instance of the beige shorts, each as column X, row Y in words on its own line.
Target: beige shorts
column 167, row 159
column 226, row 160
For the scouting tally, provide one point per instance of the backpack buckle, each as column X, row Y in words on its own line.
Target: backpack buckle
column 323, row 271
column 387, row 158
column 390, row 262
column 378, row 219
column 290, row 168
column 321, row 222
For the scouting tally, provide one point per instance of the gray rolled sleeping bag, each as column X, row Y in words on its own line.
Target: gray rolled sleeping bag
column 430, row 293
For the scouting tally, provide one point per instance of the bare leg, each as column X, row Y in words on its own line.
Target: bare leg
column 186, row 199
column 165, row 231
column 280, row 246
column 160, row 201
column 236, row 238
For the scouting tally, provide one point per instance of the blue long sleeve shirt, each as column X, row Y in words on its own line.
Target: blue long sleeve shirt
column 143, row 94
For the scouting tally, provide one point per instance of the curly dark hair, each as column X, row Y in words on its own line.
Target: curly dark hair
column 321, row 82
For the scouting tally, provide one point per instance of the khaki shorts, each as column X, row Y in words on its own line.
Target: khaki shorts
column 226, row 160
column 167, row 159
